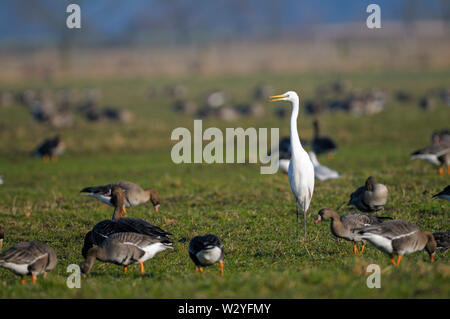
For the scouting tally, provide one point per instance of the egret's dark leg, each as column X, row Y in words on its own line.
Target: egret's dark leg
column 296, row 210
column 304, row 220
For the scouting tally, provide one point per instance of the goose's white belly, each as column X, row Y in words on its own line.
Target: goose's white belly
column 102, row 198
column 15, row 268
column 380, row 242
column 152, row 250
column 209, row 256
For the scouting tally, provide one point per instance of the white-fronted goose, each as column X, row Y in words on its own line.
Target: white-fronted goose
column 321, row 172
column 126, row 249
column 343, row 226
column 50, row 149
column 104, row 229
column 444, row 194
column 205, row 251
column 370, row 197
column 442, row 240
column 2, row 236
column 438, row 154
column 29, row 258
column 399, row 237
column 322, row 144
column 134, row 194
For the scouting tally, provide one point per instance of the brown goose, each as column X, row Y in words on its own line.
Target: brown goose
column 104, row 229
column 29, row 258
column 2, row 236
column 205, row 251
column 50, row 149
column 438, row 153
column 343, row 226
column 399, row 237
column 126, row 249
column 370, row 197
column 442, row 240
column 134, row 194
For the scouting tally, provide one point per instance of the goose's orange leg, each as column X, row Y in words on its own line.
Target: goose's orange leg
column 125, row 269
column 448, row 169
column 399, row 258
column 362, row 248
column 124, row 211
column 34, row 278
column 201, row 270
column 22, row 281
column 142, row 267
column 392, row 260
column 441, row 170
column 355, row 250
column 221, row 267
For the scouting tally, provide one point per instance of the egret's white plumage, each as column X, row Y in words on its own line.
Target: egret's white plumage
column 301, row 169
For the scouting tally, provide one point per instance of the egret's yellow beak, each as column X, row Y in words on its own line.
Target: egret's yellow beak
column 278, row 97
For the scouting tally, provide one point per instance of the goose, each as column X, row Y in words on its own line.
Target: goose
column 321, row 172
column 126, row 249
column 442, row 240
column 134, row 194
column 399, row 237
column 50, row 149
column 343, row 226
column 104, row 229
column 29, row 258
column 2, row 236
column 322, row 144
column 438, row 154
column 301, row 170
column 370, row 197
column 444, row 194
column 205, row 251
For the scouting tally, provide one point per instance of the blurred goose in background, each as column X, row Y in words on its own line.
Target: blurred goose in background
column 134, row 194
column 442, row 240
column 29, row 258
column 126, row 249
column 322, row 144
column 399, row 237
column 2, row 236
column 438, row 153
column 444, row 194
column 1, row 180
column 50, row 149
column 370, row 197
column 104, row 229
column 205, row 251
column 343, row 226
column 321, row 172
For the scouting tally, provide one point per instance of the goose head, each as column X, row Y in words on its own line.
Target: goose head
column 324, row 214
column 431, row 245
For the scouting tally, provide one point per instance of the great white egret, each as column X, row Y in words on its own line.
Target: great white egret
column 301, row 170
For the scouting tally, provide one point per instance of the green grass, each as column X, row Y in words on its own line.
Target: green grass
column 253, row 214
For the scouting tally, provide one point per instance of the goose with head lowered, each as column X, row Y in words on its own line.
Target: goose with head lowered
column 301, row 170
column 104, row 229
column 31, row 258
column 205, row 251
column 343, row 226
column 126, row 249
column 133, row 194
column 399, row 237
column 370, row 197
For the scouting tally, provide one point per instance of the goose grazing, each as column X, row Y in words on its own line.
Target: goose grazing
column 2, row 236
column 343, row 226
column 301, row 170
column 206, row 251
column 321, row 172
column 126, row 249
column 104, row 229
column 442, row 240
column 322, row 144
column 50, row 149
column 134, row 194
column 438, row 154
column 29, row 258
column 444, row 194
column 370, row 197
column 399, row 237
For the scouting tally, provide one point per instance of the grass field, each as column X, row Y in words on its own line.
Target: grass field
column 253, row 214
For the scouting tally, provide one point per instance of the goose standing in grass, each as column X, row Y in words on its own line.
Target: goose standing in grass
column 29, row 258
column 321, row 172
column 50, row 149
column 444, row 194
column 134, row 194
column 399, row 237
column 442, row 240
column 2, row 236
column 104, row 229
column 322, row 144
column 301, row 170
column 370, row 197
column 126, row 249
column 205, row 251
column 438, row 154
column 343, row 226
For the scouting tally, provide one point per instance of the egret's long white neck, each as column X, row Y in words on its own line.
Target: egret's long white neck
column 295, row 140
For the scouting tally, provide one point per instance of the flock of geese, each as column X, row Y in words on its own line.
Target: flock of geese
column 127, row 241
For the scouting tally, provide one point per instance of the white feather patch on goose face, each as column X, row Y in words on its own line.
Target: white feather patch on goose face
column 209, row 256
